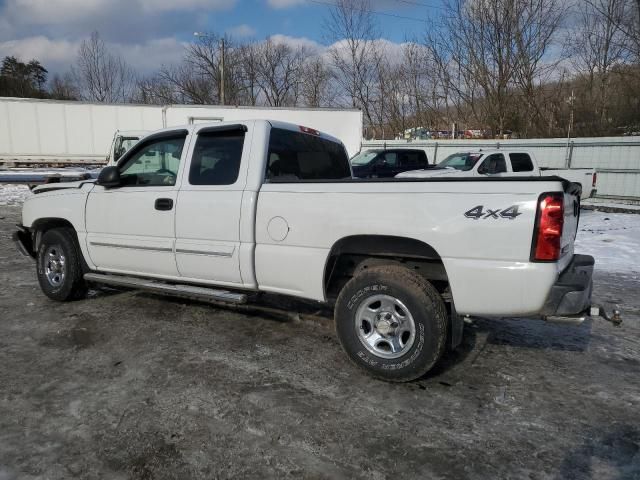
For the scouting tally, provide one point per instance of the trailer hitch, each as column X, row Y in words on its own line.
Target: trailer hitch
column 599, row 311
column 593, row 311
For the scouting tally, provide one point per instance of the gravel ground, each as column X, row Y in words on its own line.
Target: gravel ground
column 130, row 385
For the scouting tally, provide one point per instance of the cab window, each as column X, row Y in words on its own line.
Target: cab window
column 412, row 160
column 521, row 162
column 216, row 158
column 390, row 159
column 493, row 164
column 296, row 156
column 154, row 164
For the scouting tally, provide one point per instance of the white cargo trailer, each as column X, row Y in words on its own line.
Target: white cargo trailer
column 65, row 132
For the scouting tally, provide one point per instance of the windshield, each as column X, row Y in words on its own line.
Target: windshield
column 460, row 161
column 363, row 158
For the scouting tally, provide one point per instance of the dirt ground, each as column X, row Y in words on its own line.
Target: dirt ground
column 130, row 385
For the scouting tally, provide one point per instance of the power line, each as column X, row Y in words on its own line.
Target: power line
column 375, row 12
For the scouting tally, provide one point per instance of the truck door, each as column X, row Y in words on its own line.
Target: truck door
column 130, row 229
column 209, row 206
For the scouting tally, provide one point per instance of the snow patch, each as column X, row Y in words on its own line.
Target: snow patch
column 613, row 239
column 13, row 194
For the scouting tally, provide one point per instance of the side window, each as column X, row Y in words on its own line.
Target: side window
column 390, row 159
column 295, row 156
column 521, row 162
column 216, row 158
column 154, row 164
column 412, row 159
column 493, row 164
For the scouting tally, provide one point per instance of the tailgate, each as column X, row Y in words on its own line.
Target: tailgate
column 570, row 228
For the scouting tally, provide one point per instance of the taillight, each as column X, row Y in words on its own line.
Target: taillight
column 595, row 177
column 548, row 232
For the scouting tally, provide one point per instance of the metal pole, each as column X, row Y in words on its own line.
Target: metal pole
column 222, row 99
column 567, row 158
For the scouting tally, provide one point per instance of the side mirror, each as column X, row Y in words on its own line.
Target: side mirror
column 109, row 177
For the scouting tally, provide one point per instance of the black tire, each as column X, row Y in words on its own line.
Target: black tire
column 425, row 306
column 70, row 285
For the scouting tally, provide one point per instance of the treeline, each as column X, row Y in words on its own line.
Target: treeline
column 492, row 65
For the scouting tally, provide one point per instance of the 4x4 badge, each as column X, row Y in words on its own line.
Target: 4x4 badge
column 477, row 213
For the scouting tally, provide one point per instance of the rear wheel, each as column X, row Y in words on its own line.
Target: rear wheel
column 59, row 265
column 392, row 322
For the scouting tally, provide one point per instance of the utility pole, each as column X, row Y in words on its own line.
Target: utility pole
column 570, row 101
column 222, row 99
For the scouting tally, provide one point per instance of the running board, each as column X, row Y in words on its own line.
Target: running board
column 176, row 290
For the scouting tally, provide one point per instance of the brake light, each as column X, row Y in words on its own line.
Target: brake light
column 595, row 177
column 308, row 130
column 548, row 232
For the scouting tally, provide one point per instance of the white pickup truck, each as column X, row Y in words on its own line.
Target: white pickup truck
column 504, row 163
column 221, row 211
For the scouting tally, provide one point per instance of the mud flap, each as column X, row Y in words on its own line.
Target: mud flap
column 23, row 241
column 457, row 328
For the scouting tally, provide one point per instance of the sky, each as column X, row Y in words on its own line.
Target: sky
column 152, row 33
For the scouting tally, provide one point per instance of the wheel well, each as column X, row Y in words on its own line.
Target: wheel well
column 42, row 225
column 352, row 254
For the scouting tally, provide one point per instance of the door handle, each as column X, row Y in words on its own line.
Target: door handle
column 164, row 203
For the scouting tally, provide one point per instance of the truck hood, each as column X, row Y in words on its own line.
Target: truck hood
column 433, row 172
column 50, row 187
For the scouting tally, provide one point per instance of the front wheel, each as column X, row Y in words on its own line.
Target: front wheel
column 60, row 266
column 391, row 322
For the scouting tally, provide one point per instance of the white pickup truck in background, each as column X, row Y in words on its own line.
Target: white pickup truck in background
column 497, row 163
column 224, row 210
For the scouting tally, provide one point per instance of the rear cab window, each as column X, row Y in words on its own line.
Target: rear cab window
column 297, row 156
column 521, row 162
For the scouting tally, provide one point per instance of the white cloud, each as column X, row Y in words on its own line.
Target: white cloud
column 60, row 55
column 296, row 42
column 54, row 11
column 41, row 48
column 151, row 55
column 285, row 3
column 392, row 51
column 173, row 5
column 242, row 31
column 51, row 12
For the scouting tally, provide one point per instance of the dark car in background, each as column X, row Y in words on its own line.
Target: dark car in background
column 388, row 162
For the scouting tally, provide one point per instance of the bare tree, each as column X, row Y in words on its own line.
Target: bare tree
column 316, row 83
column 354, row 55
column 248, row 56
column 187, row 85
column 597, row 46
column 155, row 90
column 279, row 68
column 63, row 87
column 489, row 54
column 102, row 75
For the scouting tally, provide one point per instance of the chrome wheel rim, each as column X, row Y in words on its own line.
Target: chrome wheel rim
column 385, row 326
column 55, row 265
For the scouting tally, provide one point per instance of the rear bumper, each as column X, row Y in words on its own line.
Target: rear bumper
column 24, row 241
column 571, row 293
